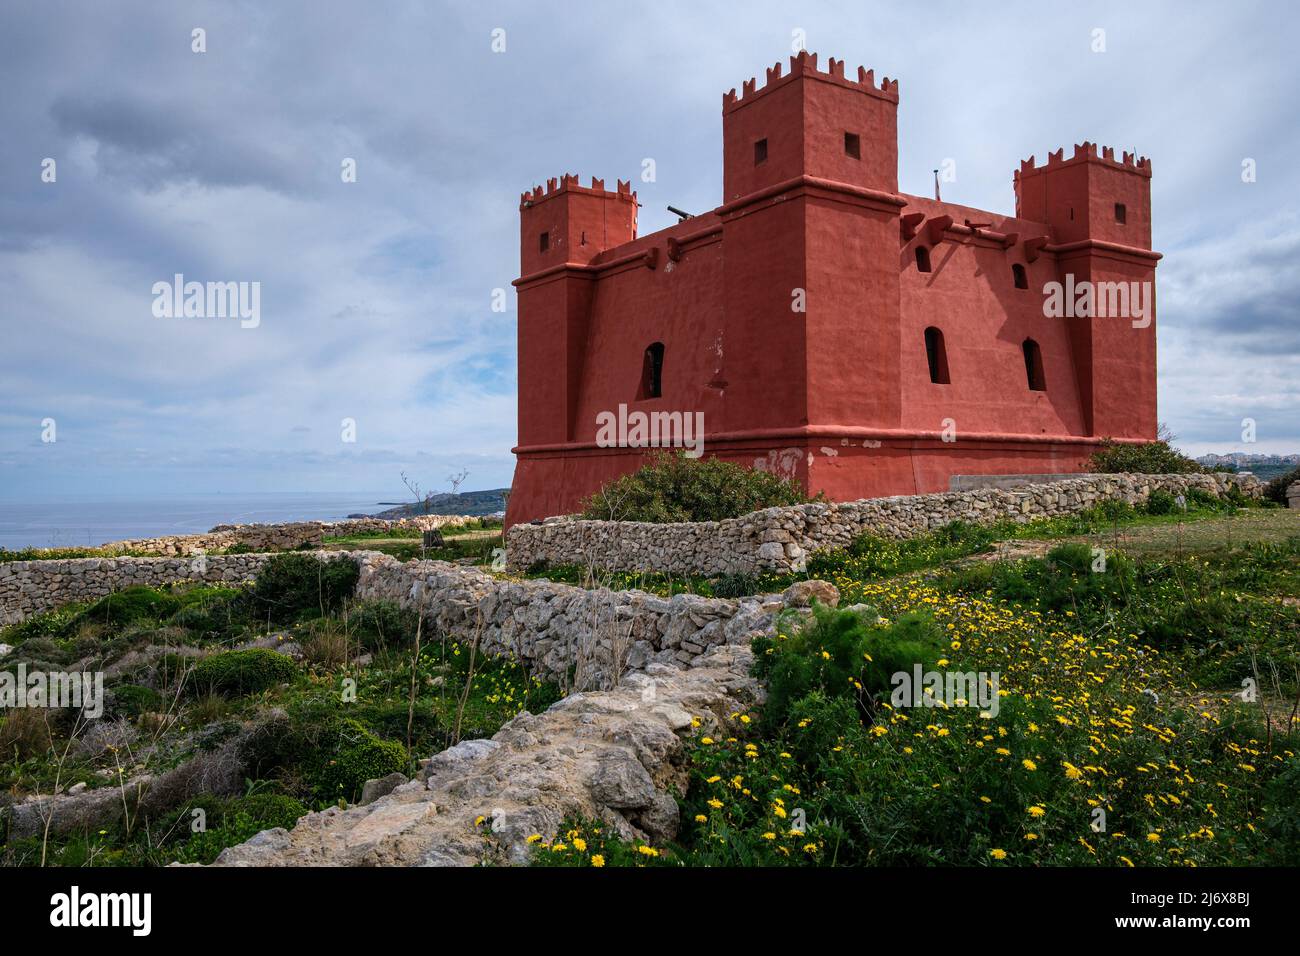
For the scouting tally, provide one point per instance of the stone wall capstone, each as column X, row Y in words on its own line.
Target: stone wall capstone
column 779, row 540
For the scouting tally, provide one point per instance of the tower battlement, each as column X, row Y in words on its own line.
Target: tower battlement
column 1088, row 152
column 568, row 182
column 804, row 64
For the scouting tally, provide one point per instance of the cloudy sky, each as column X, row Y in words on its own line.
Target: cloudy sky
column 376, row 295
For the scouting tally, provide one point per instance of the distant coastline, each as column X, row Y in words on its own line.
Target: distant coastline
column 474, row 504
column 72, row 522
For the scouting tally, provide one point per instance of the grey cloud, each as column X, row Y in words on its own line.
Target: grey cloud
column 376, row 294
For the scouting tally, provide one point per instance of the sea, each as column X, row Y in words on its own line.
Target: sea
column 80, row 522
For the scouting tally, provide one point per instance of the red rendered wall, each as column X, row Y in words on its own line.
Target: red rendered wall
column 837, row 396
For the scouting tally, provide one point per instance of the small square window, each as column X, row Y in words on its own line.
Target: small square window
column 1121, row 214
column 760, row 151
column 544, row 242
column 852, row 145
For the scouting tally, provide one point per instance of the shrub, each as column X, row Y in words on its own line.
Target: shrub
column 133, row 699
column 238, row 821
column 293, row 584
column 1200, row 500
column 837, row 653
column 56, row 623
column 38, row 653
column 131, row 605
column 270, row 810
column 326, row 646
column 1282, row 815
column 1161, row 502
column 1063, row 580
column 210, row 611
column 735, row 586
column 357, row 756
column 208, row 708
column 24, row 732
column 1275, row 490
column 379, row 624
column 1157, row 457
column 241, row 672
column 673, row 487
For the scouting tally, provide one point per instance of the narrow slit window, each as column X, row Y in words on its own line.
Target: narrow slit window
column 652, row 371
column 1121, row 213
column 853, row 145
column 936, row 356
column 1021, row 278
column 544, row 241
column 1034, row 366
column 760, row 151
column 922, row 259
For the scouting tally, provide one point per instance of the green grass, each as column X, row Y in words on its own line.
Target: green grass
column 1121, row 735
column 1206, row 525
column 361, row 704
column 58, row 554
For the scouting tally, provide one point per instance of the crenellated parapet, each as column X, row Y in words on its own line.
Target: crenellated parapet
column 1088, row 152
column 569, row 182
column 804, row 64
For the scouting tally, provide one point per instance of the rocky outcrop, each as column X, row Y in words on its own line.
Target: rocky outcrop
column 779, row 540
column 611, row 756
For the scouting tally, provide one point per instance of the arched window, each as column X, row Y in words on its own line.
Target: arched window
column 936, row 356
column 922, row 259
column 1018, row 273
column 652, row 371
column 1034, row 366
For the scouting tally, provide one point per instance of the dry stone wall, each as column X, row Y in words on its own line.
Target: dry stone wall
column 575, row 636
column 617, row 756
column 278, row 537
column 578, row 637
column 30, row 587
column 780, row 539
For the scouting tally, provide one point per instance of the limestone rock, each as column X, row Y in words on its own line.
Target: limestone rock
column 372, row 790
column 604, row 755
column 803, row 593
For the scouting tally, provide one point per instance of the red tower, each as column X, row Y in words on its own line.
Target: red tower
column 862, row 341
